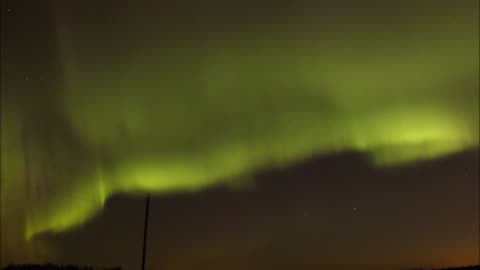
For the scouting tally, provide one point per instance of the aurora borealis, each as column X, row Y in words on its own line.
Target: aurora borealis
column 103, row 99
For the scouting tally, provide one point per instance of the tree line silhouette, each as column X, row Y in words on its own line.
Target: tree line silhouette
column 75, row 267
column 472, row 267
column 50, row 266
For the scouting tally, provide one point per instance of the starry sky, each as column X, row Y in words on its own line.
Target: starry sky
column 271, row 135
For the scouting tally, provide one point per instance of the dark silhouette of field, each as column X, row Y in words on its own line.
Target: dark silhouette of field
column 74, row 267
column 53, row 267
column 473, row 267
column 464, row 268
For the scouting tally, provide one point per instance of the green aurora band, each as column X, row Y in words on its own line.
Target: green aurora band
column 212, row 109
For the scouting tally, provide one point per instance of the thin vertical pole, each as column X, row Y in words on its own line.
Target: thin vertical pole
column 145, row 230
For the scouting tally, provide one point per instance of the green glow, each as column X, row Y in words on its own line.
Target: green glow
column 189, row 119
column 391, row 139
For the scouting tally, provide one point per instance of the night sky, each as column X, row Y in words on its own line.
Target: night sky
column 270, row 134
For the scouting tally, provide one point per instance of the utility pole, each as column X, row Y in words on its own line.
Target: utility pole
column 145, row 230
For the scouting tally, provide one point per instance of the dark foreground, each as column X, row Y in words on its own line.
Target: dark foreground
column 74, row 267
